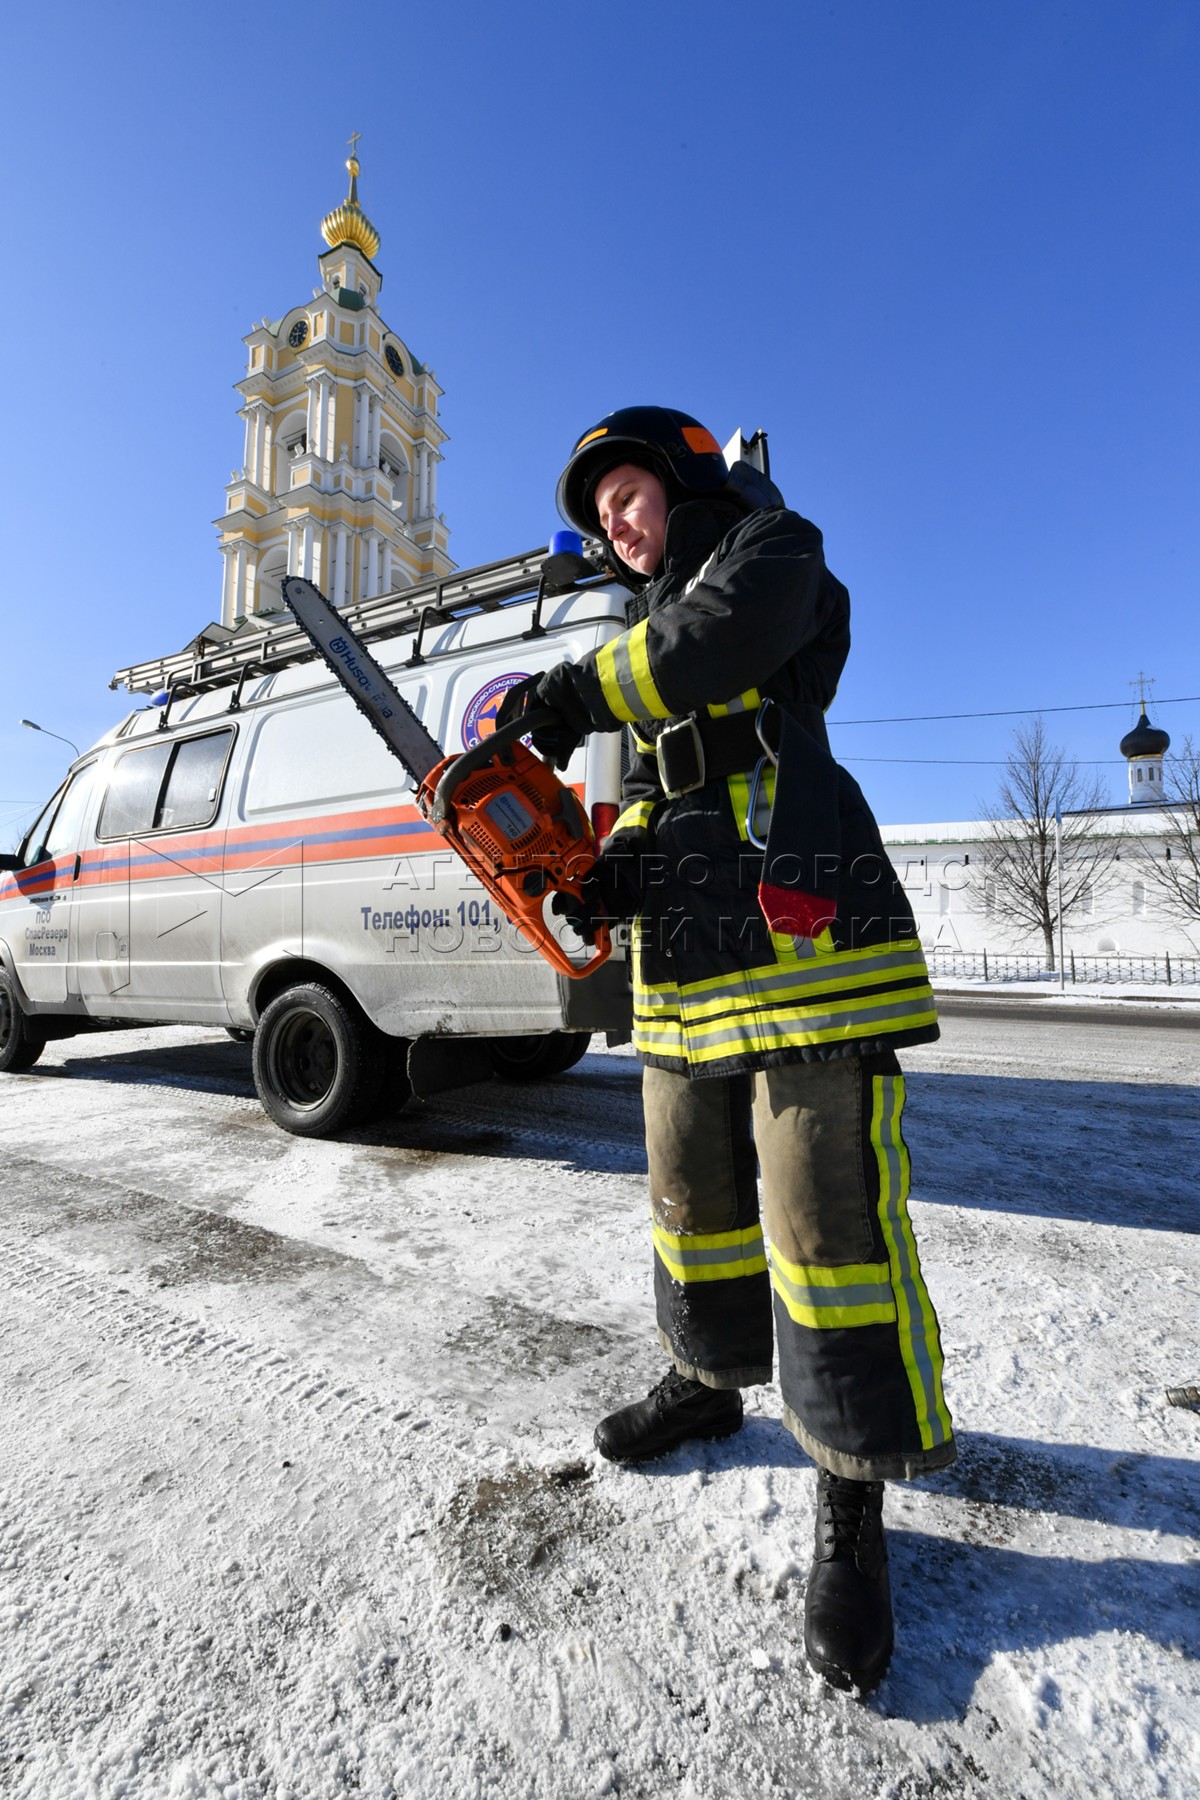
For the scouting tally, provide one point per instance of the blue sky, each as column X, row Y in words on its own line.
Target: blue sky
column 946, row 253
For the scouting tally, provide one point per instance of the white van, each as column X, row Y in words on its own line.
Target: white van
column 246, row 853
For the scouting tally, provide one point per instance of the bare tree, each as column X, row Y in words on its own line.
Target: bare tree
column 1021, row 876
column 1175, row 877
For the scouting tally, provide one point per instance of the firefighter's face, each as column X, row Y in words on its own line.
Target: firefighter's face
column 632, row 504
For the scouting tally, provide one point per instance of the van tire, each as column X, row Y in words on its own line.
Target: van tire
column 316, row 1060
column 538, row 1058
column 20, row 1042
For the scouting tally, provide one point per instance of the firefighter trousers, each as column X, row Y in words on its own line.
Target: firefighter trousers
column 860, row 1359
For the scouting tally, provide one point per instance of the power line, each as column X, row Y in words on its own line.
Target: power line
column 980, row 762
column 1011, row 713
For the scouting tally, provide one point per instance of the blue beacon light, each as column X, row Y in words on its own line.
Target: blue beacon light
column 566, row 543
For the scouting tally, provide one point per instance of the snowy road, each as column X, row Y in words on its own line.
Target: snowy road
column 298, row 1498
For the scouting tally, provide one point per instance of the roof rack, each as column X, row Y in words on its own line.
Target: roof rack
column 218, row 656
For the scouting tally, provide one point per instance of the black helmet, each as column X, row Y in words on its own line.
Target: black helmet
column 672, row 444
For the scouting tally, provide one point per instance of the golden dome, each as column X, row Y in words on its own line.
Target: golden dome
column 348, row 223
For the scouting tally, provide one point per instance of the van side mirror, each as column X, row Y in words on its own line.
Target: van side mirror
column 8, row 864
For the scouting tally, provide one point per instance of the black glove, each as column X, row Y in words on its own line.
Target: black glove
column 611, row 893
column 558, row 738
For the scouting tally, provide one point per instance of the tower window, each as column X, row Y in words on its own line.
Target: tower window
column 1139, row 899
column 1141, row 775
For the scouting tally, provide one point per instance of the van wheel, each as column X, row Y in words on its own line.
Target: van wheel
column 317, row 1065
column 20, row 1042
column 537, row 1058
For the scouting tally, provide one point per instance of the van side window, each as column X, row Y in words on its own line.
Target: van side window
column 132, row 798
column 57, row 831
column 64, row 833
column 194, row 782
column 166, row 786
column 34, row 849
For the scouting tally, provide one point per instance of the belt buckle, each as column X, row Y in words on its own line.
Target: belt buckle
column 687, row 729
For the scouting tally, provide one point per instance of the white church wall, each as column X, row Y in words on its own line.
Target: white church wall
column 943, row 869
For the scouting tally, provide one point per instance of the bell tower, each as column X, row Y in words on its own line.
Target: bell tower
column 1144, row 748
column 339, row 481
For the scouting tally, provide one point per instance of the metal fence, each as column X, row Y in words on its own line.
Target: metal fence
column 987, row 965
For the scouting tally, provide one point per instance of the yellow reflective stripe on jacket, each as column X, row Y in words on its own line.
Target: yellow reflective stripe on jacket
column 814, row 1000
column 920, row 1345
column 809, row 975
column 711, row 1256
column 625, row 679
column 792, row 951
column 750, row 701
column 635, row 817
column 763, row 1035
column 740, row 788
column 640, row 743
column 852, row 1294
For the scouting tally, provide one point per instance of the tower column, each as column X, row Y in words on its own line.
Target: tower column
column 339, row 568
column 358, row 455
column 227, row 584
column 250, row 415
column 330, row 394
column 371, row 583
column 376, row 429
column 385, row 579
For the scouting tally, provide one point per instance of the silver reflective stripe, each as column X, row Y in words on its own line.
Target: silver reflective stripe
column 754, row 987
column 728, row 1253
column 803, row 1024
column 623, row 670
column 864, row 1293
column 889, row 1141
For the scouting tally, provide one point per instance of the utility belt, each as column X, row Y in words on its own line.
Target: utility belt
column 700, row 749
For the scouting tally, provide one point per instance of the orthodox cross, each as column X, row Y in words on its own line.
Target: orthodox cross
column 1141, row 683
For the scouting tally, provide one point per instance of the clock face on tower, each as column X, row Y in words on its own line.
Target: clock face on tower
column 394, row 360
column 298, row 335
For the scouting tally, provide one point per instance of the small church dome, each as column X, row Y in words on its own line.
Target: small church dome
column 348, row 223
column 1145, row 740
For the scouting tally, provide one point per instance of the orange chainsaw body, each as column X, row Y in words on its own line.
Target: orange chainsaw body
column 523, row 834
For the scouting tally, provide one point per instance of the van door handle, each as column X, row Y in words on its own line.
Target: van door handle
column 78, row 866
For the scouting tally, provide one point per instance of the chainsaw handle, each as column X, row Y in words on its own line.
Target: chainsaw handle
column 481, row 754
column 539, row 933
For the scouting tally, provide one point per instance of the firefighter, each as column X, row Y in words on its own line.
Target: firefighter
column 777, row 972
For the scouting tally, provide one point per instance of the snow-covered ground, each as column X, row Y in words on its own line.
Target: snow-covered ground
column 298, row 1497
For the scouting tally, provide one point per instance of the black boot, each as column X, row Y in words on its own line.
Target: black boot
column 672, row 1412
column 848, row 1607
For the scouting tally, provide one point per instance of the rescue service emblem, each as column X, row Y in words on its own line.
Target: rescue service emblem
column 479, row 720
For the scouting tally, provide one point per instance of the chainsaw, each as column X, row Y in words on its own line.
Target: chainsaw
column 520, row 830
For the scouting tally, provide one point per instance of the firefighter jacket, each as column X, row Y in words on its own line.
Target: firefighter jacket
column 744, row 610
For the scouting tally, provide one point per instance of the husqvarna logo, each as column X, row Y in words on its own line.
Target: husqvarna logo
column 479, row 720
